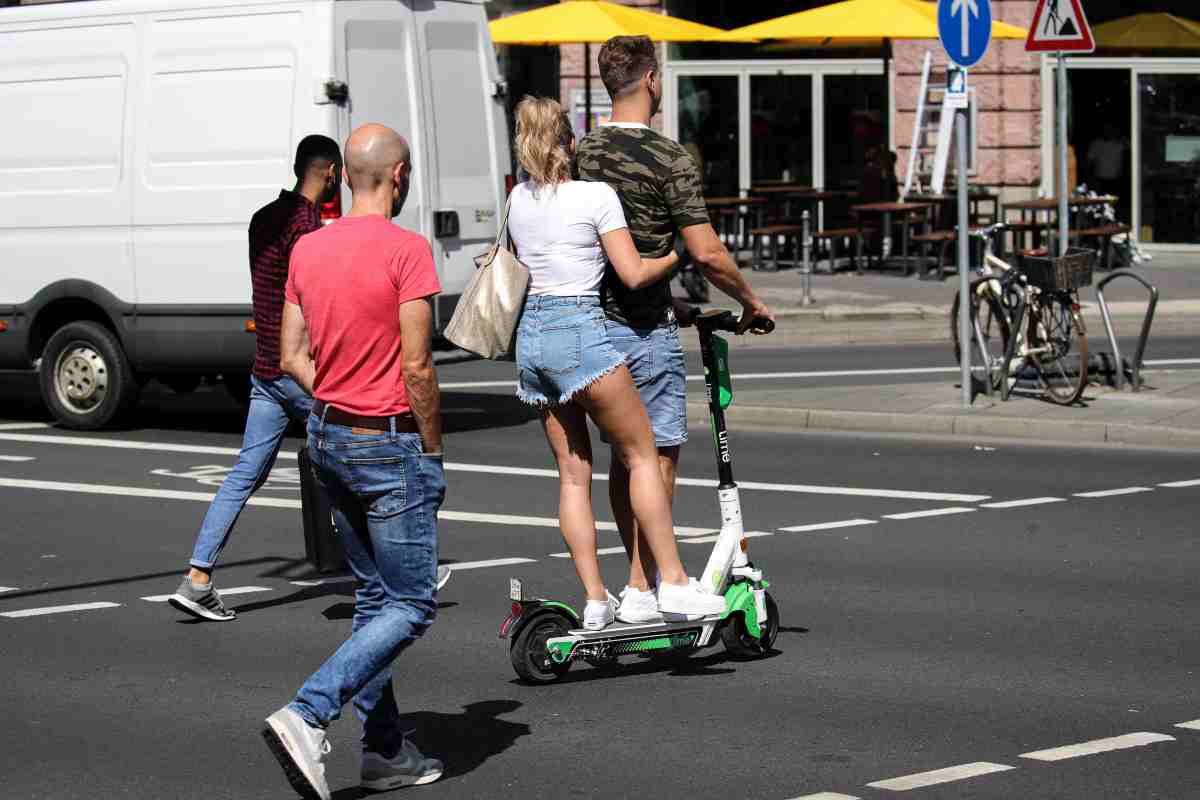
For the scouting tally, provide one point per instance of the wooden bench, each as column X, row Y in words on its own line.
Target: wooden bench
column 1105, row 234
column 833, row 237
column 788, row 233
column 946, row 265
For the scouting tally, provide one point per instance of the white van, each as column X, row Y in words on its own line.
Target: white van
column 139, row 136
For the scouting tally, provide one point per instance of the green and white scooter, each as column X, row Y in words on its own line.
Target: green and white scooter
column 547, row 636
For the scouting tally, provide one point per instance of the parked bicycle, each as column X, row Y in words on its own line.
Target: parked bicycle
column 1026, row 323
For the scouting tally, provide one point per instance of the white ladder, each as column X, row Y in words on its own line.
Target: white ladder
column 932, row 116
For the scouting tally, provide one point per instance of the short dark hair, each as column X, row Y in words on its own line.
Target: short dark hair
column 624, row 60
column 314, row 148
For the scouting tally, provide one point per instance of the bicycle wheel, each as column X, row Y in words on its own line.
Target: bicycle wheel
column 989, row 327
column 1062, row 363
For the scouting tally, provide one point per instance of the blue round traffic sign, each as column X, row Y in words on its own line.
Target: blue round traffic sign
column 965, row 28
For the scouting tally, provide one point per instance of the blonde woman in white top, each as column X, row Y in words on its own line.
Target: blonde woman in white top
column 564, row 231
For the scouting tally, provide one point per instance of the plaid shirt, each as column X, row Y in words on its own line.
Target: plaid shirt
column 274, row 230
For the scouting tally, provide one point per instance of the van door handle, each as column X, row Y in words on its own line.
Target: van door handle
column 445, row 224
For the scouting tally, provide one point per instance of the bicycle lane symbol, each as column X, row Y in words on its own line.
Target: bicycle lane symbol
column 280, row 479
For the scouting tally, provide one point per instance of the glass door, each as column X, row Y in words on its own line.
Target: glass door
column 1169, row 158
column 707, row 125
column 781, row 129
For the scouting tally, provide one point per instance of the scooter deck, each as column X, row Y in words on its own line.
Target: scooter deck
column 622, row 629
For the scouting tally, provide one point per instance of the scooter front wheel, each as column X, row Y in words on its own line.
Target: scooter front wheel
column 741, row 644
column 529, row 655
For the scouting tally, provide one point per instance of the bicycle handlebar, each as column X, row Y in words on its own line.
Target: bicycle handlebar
column 991, row 230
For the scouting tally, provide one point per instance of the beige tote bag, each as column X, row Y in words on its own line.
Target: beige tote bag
column 485, row 319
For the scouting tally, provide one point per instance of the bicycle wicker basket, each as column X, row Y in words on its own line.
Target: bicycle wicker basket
column 1065, row 273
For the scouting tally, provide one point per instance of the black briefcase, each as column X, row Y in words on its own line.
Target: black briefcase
column 322, row 547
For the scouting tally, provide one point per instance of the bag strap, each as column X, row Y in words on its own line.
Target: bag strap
column 502, row 231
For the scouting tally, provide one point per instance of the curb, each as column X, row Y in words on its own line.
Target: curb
column 790, row 420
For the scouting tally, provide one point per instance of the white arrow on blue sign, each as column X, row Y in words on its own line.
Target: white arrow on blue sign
column 965, row 27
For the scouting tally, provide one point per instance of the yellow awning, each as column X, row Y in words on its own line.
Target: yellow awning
column 858, row 20
column 1149, row 32
column 595, row 21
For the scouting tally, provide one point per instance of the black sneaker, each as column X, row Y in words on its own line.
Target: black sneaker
column 202, row 602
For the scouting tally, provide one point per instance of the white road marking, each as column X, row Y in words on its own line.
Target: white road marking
column 715, row 536
column 827, row 796
column 495, row 562
column 826, row 526
column 22, row 426
column 932, row 512
column 232, row 590
column 17, row 458
column 1194, row 725
column 934, row 777
column 37, row 612
column 600, row 551
column 1180, row 484
column 1031, row 501
column 1115, row 492
column 490, row 469
column 4, row 589
column 1171, row 362
column 1140, row 739
column 325, row 581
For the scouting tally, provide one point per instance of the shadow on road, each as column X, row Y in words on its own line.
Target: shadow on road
column 464, row 741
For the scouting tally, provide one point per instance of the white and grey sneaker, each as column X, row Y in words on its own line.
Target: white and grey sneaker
column 300, row 749
column 407, row 768
column 638, row 606
column 688, row 602
column 203, row 602
column 599, row 614
column 443, row 576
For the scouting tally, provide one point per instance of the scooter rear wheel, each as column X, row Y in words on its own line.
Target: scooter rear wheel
column 741, row 645
column 530, row 658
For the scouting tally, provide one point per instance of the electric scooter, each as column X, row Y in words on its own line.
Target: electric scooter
column 547, row 636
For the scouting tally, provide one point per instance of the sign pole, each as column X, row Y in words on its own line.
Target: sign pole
column 964, row 251
column 1064, row 191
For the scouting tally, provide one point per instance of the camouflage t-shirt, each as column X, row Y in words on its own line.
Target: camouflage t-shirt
column 661, row 192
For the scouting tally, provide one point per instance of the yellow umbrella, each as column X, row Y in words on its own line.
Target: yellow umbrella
column 859, row 21
column 1148, row 32
column 592, row 21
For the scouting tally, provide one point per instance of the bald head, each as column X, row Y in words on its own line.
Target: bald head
column 372, row 154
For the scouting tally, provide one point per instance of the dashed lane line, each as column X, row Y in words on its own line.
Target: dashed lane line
column 1180, row 484
column 1193, row 725
column 827, row 796
column 1029, row 501
column 931, row 512
column 828, row 526
column 38, row 612
column 325, row 581
column 600, row 551
column 713, row 537
column 1129, row 740
column 495, row 562
column 938, row 776
column 4, row 589
column 232, row 590
column 490, row 469
column 1115, row 492
column 22, row 426
column 17, row 458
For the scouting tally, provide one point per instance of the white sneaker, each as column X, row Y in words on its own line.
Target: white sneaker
column 599, row 614
column 638, row 606
column 300, row 749
column 688, row 602
column 409, row 767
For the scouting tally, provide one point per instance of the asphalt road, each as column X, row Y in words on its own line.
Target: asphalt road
column 924, row 629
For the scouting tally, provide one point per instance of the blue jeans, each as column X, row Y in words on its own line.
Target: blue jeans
column 655, row 360
column 562, row 348
column 385, row 494
column 273, row 403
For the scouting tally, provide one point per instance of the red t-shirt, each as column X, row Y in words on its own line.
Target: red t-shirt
column 349, row 279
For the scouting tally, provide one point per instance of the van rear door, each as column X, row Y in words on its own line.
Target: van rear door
column 467, row 145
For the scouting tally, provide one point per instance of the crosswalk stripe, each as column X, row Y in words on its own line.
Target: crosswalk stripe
column 600, row 551
column 224, row 592
column 495, row 562
column 38, row 612
column 937, row 776
column 828, row 526
column 1140, row 739
column 932, row 512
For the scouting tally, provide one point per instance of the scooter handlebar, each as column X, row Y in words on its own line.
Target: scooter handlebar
column 721, row 320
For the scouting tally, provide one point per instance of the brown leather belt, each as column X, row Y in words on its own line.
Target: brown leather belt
column 405, row 423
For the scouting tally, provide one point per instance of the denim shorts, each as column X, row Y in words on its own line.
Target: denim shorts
column 655, row 360
column 562, row 347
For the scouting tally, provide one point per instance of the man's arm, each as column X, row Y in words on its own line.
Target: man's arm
column 294, row 358
column 420, row 377
column 709, row 253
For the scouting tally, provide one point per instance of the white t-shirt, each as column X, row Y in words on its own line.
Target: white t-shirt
column 557, row 229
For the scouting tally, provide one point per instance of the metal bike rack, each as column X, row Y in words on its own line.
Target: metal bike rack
column 1119, row 365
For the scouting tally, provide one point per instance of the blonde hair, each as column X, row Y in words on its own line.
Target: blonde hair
column 544, row 139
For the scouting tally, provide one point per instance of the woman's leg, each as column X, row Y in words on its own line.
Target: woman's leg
column 613, row 402
column 566, row 431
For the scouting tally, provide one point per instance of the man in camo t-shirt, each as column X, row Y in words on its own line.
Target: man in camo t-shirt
column 663, row 196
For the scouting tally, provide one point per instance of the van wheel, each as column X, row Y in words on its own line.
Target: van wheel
column 85, row 377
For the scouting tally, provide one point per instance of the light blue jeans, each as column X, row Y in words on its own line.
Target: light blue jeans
column 273, row 403
column 385, row 494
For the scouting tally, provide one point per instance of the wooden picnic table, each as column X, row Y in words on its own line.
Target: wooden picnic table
column 887, row 211
column 1030, row 209
column 731, row 206
column 945, row 204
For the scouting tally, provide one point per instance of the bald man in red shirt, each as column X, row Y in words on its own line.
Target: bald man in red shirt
column 357, row 332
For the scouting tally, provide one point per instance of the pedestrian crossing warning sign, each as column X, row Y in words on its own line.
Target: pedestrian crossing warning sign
column 1059, row 25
